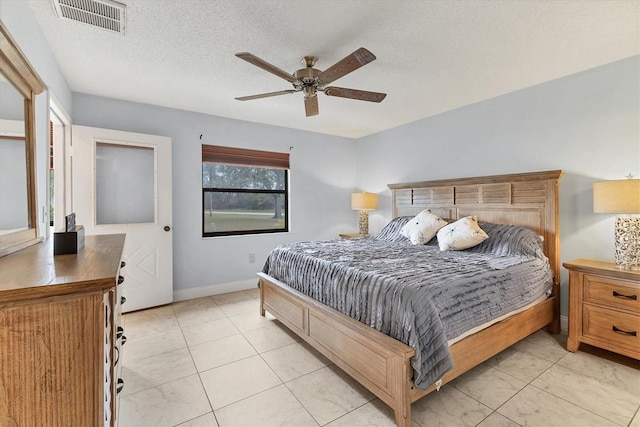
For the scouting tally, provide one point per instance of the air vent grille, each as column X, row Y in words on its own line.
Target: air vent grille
column 106, row 14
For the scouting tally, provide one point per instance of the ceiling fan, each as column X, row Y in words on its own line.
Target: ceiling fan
column 310, row 80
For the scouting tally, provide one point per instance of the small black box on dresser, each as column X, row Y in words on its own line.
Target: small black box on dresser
column 68, row 242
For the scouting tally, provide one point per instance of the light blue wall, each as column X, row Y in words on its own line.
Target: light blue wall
column 587, row 124
column 322, row 177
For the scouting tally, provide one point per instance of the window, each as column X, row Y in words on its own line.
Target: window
column 244, row 191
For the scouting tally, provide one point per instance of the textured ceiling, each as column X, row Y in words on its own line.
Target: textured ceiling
column 432, row 56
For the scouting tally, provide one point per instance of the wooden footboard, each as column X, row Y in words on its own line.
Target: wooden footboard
column 379, row 362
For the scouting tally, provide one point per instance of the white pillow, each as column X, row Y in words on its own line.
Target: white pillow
column 462, row 234
column 422, row 227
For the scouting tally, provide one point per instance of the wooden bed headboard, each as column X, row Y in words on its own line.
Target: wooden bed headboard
column 526, row 199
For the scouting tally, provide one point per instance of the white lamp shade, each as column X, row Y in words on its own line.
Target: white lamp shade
column 618, row 197
column 364, row 201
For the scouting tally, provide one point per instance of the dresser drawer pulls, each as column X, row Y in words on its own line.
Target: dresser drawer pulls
column 122, row 264
column 623, row 332
column 120, row 280
column 122, row 300
column 120, row 385
column 118, row 355
column 120, row 335
column 618, row 295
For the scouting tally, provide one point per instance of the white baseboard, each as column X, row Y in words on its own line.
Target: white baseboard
column 564, row 323
column 222, row 288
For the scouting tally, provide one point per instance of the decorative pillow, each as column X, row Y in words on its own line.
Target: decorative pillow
column 422, row 227
column 510, row 240
column 462, row 234
column 391, row 231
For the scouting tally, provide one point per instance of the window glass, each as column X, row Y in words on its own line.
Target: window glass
column 225, row 176
column 125, row 184
column 243, row 199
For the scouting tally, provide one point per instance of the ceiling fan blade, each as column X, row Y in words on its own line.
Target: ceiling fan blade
column 362, row 95
column 265, row 95
column 311, row 106
column 346, row 65
column 266, row 66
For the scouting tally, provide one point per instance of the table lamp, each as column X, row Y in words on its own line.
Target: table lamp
column 364, row 202
column 621, row 197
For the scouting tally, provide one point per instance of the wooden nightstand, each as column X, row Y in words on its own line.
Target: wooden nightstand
column 352, row 235
column 604, row 307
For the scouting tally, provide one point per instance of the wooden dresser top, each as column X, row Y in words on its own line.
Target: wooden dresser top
column 34, row 272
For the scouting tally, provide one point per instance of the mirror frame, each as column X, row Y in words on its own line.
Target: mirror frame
column 19, row 72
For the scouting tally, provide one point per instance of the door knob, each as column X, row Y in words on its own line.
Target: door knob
column 167, row 228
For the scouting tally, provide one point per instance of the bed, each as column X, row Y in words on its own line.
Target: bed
column 384, row 364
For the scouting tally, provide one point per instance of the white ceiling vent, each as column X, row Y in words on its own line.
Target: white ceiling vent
column 106, row 14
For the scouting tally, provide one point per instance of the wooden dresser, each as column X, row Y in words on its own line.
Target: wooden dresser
column 59, row 335
column 604, row 307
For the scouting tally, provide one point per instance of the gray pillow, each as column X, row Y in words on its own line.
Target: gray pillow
column 510, row 240
column 391, row 231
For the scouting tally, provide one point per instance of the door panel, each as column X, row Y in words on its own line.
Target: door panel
column 122, row 184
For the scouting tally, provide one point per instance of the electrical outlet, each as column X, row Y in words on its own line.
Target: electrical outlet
column 252, row 258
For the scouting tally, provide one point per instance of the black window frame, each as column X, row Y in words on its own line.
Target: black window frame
column 250, row 158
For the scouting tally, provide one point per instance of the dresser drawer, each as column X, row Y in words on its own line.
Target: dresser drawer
column 620, row 329
column 613, row 293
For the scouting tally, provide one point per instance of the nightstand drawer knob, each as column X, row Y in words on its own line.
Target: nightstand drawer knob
column 621, row 331
column 618, row 295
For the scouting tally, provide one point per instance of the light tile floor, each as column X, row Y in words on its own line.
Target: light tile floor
column 215, row 361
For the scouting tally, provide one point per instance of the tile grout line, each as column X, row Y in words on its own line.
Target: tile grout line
column 530, row 383
column 163, row 353
column 257, row 353
column 565, row 400
column 525, row 386
column 199, row 376
column 197, row 372
column 162, row 383
column 636, row 414
column 302, row 404
column 283, row 383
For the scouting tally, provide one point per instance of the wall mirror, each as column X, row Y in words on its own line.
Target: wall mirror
column 19, row 84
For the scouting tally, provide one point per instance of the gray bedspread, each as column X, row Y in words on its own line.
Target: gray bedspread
column 417, row 294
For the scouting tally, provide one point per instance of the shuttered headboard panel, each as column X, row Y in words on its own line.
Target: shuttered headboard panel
column 525, row 199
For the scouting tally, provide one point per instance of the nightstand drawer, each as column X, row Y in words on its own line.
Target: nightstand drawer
column 613, row 293
column 614, row 327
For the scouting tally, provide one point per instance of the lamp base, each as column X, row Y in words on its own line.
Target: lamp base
column 627, row 242
column 363, row 223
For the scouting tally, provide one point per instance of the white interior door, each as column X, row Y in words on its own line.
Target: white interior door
column 122, row 184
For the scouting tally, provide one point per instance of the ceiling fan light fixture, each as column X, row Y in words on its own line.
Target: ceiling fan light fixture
column 309, row 91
